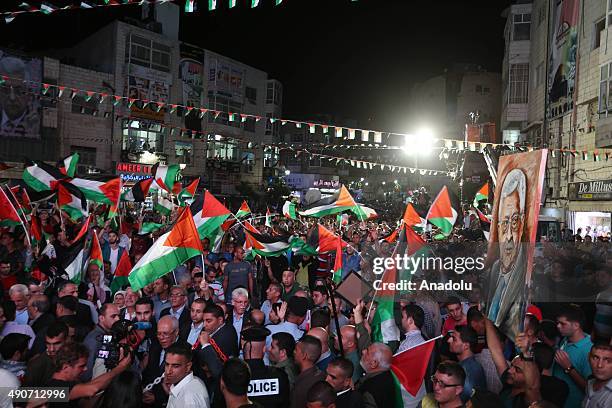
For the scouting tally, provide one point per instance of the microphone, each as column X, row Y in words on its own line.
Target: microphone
column 141, row 326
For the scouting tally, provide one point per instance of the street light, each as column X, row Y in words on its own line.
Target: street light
column 419, row 142
column 287, row 172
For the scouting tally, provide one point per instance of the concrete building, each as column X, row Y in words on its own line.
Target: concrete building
column 144, row 60
column 567, row 107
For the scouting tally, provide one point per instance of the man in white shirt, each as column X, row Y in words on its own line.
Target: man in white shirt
column 184, row 389
column 197, row 320
column 19, row 294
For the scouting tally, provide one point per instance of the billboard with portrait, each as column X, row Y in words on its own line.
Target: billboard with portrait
column 513, row 235
column 191, row 72
column 151, row 85
column 226, row 78
column 19, row 106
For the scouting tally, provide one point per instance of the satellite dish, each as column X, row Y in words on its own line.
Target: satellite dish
column 311, row 196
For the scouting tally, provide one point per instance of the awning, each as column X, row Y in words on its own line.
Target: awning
column 587, row 206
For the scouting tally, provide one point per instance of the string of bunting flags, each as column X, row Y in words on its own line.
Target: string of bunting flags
column 190, row 6
column 341, row 132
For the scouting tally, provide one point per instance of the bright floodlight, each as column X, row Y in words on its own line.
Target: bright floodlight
column 287, row 172
column 420, row 142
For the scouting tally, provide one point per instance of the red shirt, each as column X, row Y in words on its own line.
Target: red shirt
column 450, row 323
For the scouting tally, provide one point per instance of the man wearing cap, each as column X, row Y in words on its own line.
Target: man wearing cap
column 269, row 386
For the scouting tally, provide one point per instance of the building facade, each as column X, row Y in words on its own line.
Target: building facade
column 144, row 61
column 567, row 98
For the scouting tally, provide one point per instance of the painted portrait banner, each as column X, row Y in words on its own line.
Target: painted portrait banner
column 20, row 109
column 148, row 84
column 191, row 72
column 513, row 235
column 562, row 56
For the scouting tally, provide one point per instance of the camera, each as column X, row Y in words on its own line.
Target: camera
column 123, row 336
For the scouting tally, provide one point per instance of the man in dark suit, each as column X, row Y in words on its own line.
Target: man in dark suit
column 339, row 374
column 83, row 312
column 179, row 310
column 216, row 344
column 167, row 335
column 375, row 385
column 38, row 312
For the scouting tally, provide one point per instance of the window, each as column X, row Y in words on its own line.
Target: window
column 521, row 26
column 598, row 28
column 519, row 83
column 605, row 89
column 183, row 151
column 483, row 90
column 222, row 149
column 539, row 74
column 251, row 95
column 609, row 12
column 315, row 161
column 80, row 105
column 248, row 161
column 274, row 93
column 143, row 138
column 271, row 156
column 148, row 53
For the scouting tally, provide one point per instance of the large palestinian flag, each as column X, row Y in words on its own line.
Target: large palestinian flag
column 71, row 200
column 100, row 190
column 208, row 216
column 321, row 240
column 266, row 245
column 138, row 192
column 40, row 176
column 188, row 193
column 412, row 219
column 441, row 213
column 170, row 250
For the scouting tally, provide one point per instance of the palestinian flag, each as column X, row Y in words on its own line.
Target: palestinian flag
column 268, row 218
column 103, row 190
column 71, row 200
column 165, row 176
column 412, row 219
column 139, row 191
column 68, row 165
column 95, row 253
column 73, row 259
column 339, row 202
column 149, row 227
column 289, row 210
column 36, row 232
column 40, row 176
column 188, row 192
column 342, row 219
column 244, row 210
column 170, row 250
column 82, row 232
column 209, row 216
column 408, row 369
column 163, row 205
column 441, row 213
column 392, row 237
column 22, row 201
column 321, row 240
column 122, row 271
column 266, row 245
column 8, row 214
column 485, row 222
column 482, row 194
column 364, row 213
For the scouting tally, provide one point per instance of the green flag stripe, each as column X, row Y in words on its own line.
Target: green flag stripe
column 157, row 268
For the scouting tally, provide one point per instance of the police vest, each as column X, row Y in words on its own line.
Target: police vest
column 264, row 387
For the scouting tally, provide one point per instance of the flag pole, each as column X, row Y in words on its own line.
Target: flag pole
column 338, row 333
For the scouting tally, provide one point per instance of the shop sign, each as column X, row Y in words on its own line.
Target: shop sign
column 133, row 172
column 591, row 190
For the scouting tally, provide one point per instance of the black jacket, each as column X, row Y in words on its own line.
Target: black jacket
column 42, row 322
column 153, row 370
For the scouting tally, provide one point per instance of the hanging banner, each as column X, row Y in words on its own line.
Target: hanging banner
column 513, row 235
column 147, row 84
column 20, row 110
column 562, row 58
column 191, row 72
column 225, row 78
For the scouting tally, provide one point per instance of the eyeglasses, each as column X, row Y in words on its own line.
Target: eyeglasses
column 512, row 221
column 175, row 295
column 441, row 384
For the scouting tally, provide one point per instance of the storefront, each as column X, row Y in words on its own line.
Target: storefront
column 591, row 206
column 131, row 173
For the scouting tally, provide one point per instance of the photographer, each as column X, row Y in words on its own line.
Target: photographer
column 70, row 364
column 109, row 314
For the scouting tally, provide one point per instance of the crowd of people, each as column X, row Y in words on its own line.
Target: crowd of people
column 229, row 329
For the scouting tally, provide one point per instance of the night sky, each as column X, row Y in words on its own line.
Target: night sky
column 354, row 60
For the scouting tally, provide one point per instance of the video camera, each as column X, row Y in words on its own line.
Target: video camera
column 123, row 336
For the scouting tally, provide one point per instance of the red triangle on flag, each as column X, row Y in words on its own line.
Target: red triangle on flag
column 124, row 266
column 411, row 217
column 345, row 199
column 212, row 207
column 409, row 366
column 414, row 241
column 82, row 231
column 184, row 234
column 112, row 189
column 441, row 207
column 191, row 188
